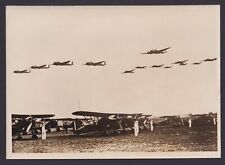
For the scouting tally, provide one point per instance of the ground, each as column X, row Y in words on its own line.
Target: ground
column 202, row 138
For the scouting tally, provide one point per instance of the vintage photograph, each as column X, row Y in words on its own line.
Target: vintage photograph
column 87, row 82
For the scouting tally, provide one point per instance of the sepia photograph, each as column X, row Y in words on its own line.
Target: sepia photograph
column 109, row 82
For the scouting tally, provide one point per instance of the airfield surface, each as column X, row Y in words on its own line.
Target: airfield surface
column 202, row 138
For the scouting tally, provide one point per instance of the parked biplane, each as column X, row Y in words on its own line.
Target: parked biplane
column 28, row 124
column 104, row 123
column 170, row 121
column 203, row 119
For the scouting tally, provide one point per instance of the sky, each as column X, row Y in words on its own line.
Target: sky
column 116, row 34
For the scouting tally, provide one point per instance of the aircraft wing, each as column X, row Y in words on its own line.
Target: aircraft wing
column 165, row 49
column 33, row 116
column 100, row 114
column 95, row 114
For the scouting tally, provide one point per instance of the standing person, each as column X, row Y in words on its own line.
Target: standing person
column 214, row 121
column 189, row 121
column 151, row 124
column 43, row 132
column 136, row 128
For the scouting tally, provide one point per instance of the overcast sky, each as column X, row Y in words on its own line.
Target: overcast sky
column 42, row 35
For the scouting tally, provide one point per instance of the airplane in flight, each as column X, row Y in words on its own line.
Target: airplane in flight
column 40, row 67
column 140, row 67
column 196, row 63
column 157, row 66
column 129, row 71
column 180, row 62
column 167, row 67
column 210, row 59
column 21, row 71
column 101, row 63
column 23, row 124
column 155, row 51
column 66, row 63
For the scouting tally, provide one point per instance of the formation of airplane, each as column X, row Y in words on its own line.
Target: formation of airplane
column 21, row 71
column 155, row 51
column 40, row 66
column 100, row 63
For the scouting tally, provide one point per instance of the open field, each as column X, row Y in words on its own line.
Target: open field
column 202, row 138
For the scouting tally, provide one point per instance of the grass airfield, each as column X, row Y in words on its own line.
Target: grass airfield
column 180, row 139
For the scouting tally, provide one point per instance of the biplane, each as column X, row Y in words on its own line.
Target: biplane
column 28, row 124
column 104, row 123
column 170, row 121
column 155, row 51
column 203, row 119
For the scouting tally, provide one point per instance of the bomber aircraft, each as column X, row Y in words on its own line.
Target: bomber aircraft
column 100, row 63
column 180, row 62
column 140, row 67
column 40, row 66
column 66, row 63
column 157, row 66
column 129, row 71
column 196, row 63
column 167, row 67
column 21, row 71
column 210, row 59
column 155, row 51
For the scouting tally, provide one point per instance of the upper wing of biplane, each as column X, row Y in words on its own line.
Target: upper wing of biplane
column 33, row 116
column 100, row 114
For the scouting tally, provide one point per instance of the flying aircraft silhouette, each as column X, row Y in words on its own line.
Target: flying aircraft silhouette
column 210, row 59
column 21, row 71
column 40, row 67
column 167, row 67
column 155, row 51
column 196, row 63
column 140, row 67
column 69, row 62
column 180, row 62
column 157, row 66
column 101, row 63
column 129, row 71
